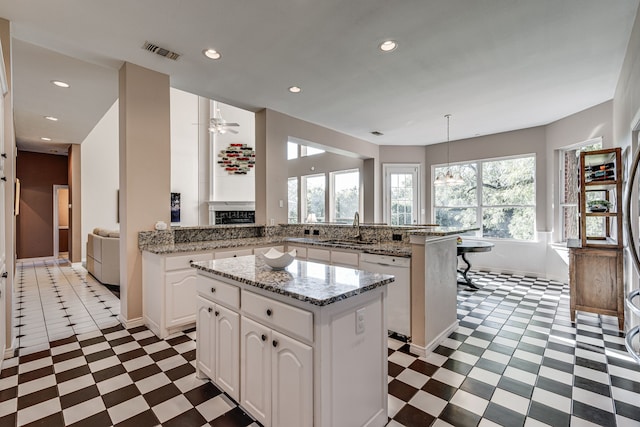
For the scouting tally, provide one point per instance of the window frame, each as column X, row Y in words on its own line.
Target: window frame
column 302, row 199
column 480, row 206
column 332, row 191
column 389, row 169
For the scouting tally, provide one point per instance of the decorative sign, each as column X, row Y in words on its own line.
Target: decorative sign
column 237, row 159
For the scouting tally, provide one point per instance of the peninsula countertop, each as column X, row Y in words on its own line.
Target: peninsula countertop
column 311, row 282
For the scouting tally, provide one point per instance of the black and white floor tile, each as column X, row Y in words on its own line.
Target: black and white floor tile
column 515, row 360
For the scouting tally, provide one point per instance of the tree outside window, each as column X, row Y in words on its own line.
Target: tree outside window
column 346, row 195
column 498, row 196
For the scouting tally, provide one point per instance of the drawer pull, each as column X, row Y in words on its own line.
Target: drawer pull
column 190, row 261
column 264, row 337
column 209, row 309
column 269, row 312
column 217, row 313
column 213, row 290
column 5, row 275
column 275, row 343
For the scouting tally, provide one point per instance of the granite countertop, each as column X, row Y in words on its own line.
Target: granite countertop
column 311, row 282
column 385, row 248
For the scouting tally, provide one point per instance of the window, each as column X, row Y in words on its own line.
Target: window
column 313, row 193
column 292, row 150
column 345, row 199
column 498, row 196
column 569, row 216
column 401, row 194
column 292, row 204
column 306, row 150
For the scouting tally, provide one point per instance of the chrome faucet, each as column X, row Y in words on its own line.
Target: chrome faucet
column 356, row 225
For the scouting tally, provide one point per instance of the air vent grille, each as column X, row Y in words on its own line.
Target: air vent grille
column 160, row 51
column 377, row 133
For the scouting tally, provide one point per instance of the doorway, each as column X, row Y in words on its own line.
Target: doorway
column 61, row 221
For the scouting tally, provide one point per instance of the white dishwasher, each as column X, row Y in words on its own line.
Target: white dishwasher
column 398, row 292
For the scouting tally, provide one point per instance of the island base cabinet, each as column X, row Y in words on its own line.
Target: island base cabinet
column 218, row 350
column 277, row 377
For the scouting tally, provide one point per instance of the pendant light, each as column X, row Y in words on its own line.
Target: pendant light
column 448, row 178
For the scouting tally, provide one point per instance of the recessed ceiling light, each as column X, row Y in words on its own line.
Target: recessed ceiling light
column 60, row 83
column 53, row 119
column 295, row 89
column 388, row 45
column 44, row 138
column 212, row 54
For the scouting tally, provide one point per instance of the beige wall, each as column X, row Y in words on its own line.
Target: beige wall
column 407, row 154
column 145, row 173
column 273, row 130
column 525, row 141
column 75, row 199
column 594, row 122
column 626, row 122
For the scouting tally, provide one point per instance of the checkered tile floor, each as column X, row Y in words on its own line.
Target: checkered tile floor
column 515, row 360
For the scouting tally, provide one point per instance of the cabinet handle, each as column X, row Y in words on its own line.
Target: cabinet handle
column 264, row 337
column 213, row 290
column 5, row 275
column 190, row 261
column 269, row 312
column 235, row 256
column 209, row 309
column 217, row 313
column 275, row 343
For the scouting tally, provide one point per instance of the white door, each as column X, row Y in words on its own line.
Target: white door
column 401, row 194
column 205, row 328
column 181, row 297
column 227, row 351
column 255, row 368
column 292, row 382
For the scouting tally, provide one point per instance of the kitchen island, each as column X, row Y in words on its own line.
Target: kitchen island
column 304, row 346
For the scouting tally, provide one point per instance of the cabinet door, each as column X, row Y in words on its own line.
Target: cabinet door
column 180, row 304
column 292, row 385
column 255, row 366
column 227, row 351
column 315, row 254
column 205, row 340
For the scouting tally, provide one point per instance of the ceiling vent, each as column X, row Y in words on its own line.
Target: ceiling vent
column 377, row 133
column 160, row 51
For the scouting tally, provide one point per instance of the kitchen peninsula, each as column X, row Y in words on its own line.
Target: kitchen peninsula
column 305, row 346
column 427, row 295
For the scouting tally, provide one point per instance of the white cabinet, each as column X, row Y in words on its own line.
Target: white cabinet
column 218, row 350
column 277, row 377
column 291, row 382
column 348, row 259
column 299, row 364
column 169, row 291
column 301, row 251
column 315, row 254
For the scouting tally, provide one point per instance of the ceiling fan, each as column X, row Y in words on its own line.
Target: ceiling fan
column 219, row 125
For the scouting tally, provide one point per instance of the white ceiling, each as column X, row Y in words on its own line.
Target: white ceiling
column 494, row 65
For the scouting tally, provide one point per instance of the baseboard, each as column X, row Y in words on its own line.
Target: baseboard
column 130, row 323
column 520, row 273
column 9, row 352
column 431, row 345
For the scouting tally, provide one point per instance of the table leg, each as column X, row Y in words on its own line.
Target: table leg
column 467, row 281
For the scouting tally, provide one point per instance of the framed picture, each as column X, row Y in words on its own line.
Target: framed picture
column 175, row 207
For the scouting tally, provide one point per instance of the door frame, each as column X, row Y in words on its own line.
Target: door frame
column 56, row 231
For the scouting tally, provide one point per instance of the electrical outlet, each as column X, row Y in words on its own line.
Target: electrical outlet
column 396, row 237
column 306, row 232
column 360, row 321
column 316, row 232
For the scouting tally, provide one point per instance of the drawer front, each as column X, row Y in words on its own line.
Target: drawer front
column 181, row 262
column 301, row 251
column 264, row 250
column 218, row 291
column 344, row 258
column 232, row 254
column 285, row 317
column 319, row 254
